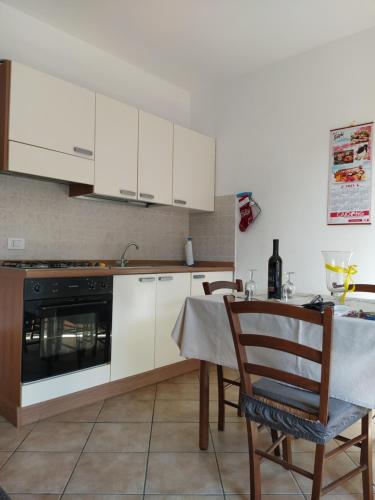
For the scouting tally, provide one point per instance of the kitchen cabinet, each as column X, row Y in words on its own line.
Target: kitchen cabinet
column 54, row 115
column 171, row 292
column 155, row 153
column 116, row 148
column 193, row 169
column 198, row 278
column 133, row 325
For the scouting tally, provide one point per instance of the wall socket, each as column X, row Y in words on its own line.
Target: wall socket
column 16, row 243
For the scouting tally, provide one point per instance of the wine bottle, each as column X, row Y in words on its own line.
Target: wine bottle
column 275, row 265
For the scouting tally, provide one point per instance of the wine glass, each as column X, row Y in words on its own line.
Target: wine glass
column 288, row 289
column 250, row 286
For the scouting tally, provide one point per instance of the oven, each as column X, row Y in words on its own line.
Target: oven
column 67, row 325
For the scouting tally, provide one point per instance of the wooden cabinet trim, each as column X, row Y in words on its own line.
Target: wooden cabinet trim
column 5, row 76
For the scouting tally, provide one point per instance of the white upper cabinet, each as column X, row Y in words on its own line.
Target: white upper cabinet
column 116, row 148
column 51, row 113
column 155, row 159
column 193, row 169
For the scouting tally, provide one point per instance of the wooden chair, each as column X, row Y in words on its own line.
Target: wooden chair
column 224, row 382
column 302, row 408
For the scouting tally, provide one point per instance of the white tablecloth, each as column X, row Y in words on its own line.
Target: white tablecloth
column 202, row 332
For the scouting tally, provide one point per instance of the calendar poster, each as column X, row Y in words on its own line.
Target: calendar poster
column 349, row 187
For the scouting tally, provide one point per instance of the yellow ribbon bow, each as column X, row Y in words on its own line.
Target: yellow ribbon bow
column 349, row 271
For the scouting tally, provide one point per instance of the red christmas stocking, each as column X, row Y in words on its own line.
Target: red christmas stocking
column 245, row 212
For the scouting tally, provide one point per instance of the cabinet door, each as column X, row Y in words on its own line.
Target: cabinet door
column 171, row 292
column 155, row 159
column 198, row 278
column 133, row 325
column 193, row 169
column 116, row 148
column 51, row 113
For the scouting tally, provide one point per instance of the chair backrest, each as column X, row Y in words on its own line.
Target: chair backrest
column 209, row 288
column 322, row 357
column 363, row 288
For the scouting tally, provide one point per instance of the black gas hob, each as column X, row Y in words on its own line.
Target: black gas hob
column 55, row 264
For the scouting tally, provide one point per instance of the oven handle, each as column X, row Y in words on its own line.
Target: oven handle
column 75, row 304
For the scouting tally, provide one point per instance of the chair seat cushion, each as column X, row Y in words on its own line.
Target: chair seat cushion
column 341, row 413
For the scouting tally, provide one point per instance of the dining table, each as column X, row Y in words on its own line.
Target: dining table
column 202, row 332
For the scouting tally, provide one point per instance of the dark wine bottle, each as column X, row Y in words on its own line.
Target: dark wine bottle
column 275, row 274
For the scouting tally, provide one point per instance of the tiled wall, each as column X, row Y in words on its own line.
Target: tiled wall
column 214, row 233
column 58, row 227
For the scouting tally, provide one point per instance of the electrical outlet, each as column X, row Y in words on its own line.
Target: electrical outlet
column 16, row 243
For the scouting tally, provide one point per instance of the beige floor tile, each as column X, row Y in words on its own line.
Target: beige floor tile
column 25, row 496
column 35, row 472
column 234, row 438
column 109, row 473
column 177, row 437
column 182, row 473
column 234, row 469
column 87, row 413
column 11, row 437
column 4, row 455
column 119, row 436
column 350, row 496
column 333, row 470
column 176, row 411
column 170, row 391
column 120, row 410
column 184, row 497
column 186, row 378
column 57, row 436
column 267, row 497
column 102, row 497
column 302, row 445
column 144, row 394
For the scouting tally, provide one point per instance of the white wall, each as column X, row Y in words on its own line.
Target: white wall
column 37, row 44
column 273, row 139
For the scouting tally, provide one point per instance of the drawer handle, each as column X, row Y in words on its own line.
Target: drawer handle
column 180, row 202
column 146, row 195
column 199, row 276
column 82, row 151
column 165, row 278
column 126, row 192
column 146, row 280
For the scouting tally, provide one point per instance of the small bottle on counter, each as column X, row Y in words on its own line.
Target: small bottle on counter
column 189, row 257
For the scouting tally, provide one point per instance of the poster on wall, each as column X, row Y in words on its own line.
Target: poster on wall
column 349, row 186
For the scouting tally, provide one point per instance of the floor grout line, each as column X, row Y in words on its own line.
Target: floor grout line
column 149, row 445
column 217, row 460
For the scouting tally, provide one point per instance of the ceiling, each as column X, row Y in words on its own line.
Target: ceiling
column 195, row 43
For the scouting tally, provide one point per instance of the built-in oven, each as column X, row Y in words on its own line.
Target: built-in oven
column 67, row 325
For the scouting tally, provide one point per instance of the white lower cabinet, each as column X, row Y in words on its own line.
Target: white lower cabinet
column 171, row 292
column 198, row 278
column 133, row 325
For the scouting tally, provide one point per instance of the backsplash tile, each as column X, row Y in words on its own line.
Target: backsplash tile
column 214, row 233
column 56, row 226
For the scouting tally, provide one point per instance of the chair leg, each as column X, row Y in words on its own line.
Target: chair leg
column 254, row 462
column 318, row 472
column 220, row 386
column 287, row 449
column 366, row 456
column 275, row 437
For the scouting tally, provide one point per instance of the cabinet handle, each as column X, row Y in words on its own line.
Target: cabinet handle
column 198, row 276
column 165, row 278
column 126, row 192
column 82, row 151
column 180, row 202
column 146, row 280
column 146, row 195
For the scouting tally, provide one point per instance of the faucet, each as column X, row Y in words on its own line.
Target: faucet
column 123, row 262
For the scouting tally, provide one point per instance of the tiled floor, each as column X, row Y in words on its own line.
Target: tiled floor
column 145, row 445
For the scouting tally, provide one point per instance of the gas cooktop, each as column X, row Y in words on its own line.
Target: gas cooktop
column 56, row 264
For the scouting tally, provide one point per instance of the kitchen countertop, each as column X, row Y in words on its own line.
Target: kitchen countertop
column 134, row 267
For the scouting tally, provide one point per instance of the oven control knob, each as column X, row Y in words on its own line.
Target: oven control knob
column 103, row 284
column 92, row 285
column 36, row 287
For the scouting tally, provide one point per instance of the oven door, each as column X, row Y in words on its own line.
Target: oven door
column 65, row 335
